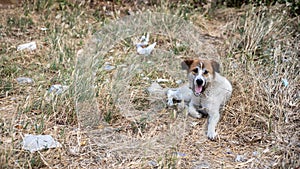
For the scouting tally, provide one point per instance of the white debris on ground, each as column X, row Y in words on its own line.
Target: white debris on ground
column 23, row 80
column 28, row 46
column 202, row 165
column 34, row 143
column 285, row 82
column 140, row 46
column 58, row 89
column 240, row 158
column 179, row 82
column 160, row 80
column 108, row 66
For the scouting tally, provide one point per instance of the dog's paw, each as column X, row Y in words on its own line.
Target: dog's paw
column 194, row 113
column 211, row 134
column 170, row 96
column 170, row 102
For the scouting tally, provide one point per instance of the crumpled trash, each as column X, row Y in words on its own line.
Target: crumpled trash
column 22, row 80
column 58, row 89
column 143, row 42
column 179, row 82
column 255, row 153
column 228, row 151
column 180, row 154
column 160, row 80
column 34, row 143
column 285, row 82
column 108, row 67
column 240, row 158
column 202, row 165
column 153, row 163
column 28, row 46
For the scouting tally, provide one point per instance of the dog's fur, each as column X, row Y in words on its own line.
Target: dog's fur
column 208, row 91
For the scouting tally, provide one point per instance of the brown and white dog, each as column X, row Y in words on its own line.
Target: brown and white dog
column 206, row 92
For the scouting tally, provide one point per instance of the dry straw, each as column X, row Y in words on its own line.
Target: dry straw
column 124, row 93
column 259, row 123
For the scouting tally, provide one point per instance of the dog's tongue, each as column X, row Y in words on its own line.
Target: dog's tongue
column 198, row 89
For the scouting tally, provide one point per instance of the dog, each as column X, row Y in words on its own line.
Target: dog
column 205, row 93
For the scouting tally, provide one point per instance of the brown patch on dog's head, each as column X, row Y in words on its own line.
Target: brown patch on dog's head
column 186, row 64
column 210, row 66
column 201, row 73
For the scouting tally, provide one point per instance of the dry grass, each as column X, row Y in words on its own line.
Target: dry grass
column 259, row 126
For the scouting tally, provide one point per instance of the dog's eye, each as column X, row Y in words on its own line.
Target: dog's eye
column 205, row 72
column 195, row 71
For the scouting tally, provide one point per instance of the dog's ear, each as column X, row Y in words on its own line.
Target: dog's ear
column 215, row 65
column 186, row 64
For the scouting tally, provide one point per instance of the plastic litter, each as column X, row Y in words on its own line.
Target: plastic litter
column 202, row 165
column 228, row 151
column 34, row 143
column 23, row 80
column 143, row 42
column 255, row 153
column 162, row 80
column 27, row 46
column 108, row 67
column 153, row 163
column 240, row 158
column 147, row 50
column 179, row 82
column 285, row 82
column 179, row 154
column 58, row 89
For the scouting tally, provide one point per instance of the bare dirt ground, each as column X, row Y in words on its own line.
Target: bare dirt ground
column 258, row 48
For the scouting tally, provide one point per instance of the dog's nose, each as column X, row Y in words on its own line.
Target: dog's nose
column 199, row 82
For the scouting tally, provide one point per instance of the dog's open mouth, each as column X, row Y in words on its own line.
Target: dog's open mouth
column 198, row 90
column 199, row 87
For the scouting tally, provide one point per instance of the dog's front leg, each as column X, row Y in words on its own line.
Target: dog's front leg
column 192, row 110
column 213, row 120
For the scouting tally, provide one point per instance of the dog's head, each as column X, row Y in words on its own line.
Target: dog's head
column 201, row 73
